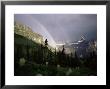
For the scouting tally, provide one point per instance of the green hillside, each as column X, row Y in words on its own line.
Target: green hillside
column 20, row 40
column 30, row 51
column 31, row 59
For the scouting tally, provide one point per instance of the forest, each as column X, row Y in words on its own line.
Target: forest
column 31, row 59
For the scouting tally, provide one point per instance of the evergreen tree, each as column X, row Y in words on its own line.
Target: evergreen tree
column 46, row 42
column 63, row 50
column 46, row 50
column 76, row 57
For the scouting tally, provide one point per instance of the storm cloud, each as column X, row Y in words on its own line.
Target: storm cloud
column 61, row 27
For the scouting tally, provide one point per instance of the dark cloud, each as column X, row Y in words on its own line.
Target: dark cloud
column 62, row 27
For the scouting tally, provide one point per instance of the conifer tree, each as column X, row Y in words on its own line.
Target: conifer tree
column 46, row 42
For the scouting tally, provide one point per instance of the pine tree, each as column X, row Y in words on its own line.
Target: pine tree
column 46, row 42
column 46, row 50
column 63, row 50
column 76, row 55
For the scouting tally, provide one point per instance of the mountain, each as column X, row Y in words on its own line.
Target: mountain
column 27, row 32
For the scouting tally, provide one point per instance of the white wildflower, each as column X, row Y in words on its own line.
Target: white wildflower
column 22, row 61
column 69, row 71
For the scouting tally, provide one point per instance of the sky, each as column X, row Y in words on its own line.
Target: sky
column 61, row 28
